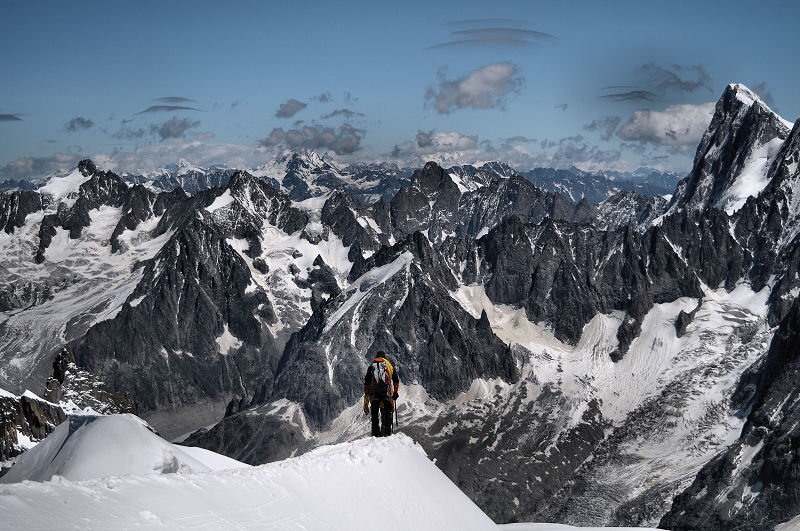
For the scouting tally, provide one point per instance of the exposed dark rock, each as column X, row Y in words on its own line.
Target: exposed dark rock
column 35, row 418
column 28, row 417
column 251, row 438
column 683, row 320
column 628, row 330
column 236, row 405
column 629, row 208
column 81, row 389
column 15, row 207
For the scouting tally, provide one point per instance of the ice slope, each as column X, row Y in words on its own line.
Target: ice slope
column 95, row 446
column 336, row 487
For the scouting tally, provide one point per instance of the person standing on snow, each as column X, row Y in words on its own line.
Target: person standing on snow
column 380, row 391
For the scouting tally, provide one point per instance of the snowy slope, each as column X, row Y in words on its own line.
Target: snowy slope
column 114, row 473
column 336, row 487
column 96, row 446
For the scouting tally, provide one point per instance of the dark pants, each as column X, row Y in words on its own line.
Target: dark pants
column 381, row 417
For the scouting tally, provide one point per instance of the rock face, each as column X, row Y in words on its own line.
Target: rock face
column 15, row 207
column 630, row 208
column 564, row 274
column 254, row 436
column 755, row 483
column 25, row 420
column 75, row 389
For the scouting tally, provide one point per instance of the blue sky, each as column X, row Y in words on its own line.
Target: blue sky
column 613, row 85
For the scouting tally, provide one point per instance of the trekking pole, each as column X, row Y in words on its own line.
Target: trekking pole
column 394, row 403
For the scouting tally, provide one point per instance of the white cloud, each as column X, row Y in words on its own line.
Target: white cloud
column 677, row 126
column 483, row 88
column 343, row 141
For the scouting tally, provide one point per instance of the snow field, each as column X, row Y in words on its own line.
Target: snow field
column 64, row 188
column 752, row 179
column 343, row 486
column 96, row 285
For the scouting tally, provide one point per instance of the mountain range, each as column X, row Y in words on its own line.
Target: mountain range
column 623, row 363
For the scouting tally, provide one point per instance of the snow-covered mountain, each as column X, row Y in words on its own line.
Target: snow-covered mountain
column 734, row 155
column 300, row 175
column 578, row 185
column 306, row 174
column 562, row 362
column 183, row 174
column 597, row 187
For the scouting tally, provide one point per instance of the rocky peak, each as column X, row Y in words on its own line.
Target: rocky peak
column 183, row 167
column 240, row 180
column 432, row 179
column 733, row 156
column 87, row 167
column 501, row 169
column 786, row 165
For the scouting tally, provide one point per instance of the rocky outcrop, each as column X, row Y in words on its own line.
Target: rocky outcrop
column 139, row 205
column 15, row 207
column 629, row 208
column 75, row 389
column 253, row 436
column 25, row 420
column 358, row 226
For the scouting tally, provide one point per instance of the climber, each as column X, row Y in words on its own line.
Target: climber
column 380, row 392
